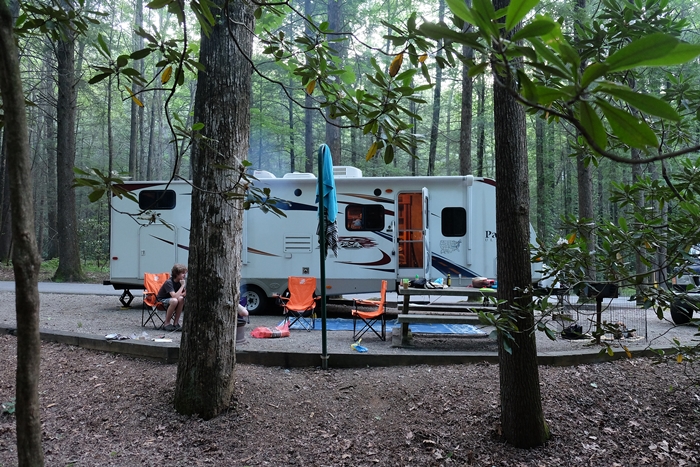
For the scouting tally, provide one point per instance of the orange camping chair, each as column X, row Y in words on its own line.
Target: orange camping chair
column 370, row 318
column 300, row 305
column 152, row 284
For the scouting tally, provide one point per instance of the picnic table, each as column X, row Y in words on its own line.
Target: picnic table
column 464, row 315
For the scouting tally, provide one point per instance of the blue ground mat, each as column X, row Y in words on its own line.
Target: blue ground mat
column 343, row 324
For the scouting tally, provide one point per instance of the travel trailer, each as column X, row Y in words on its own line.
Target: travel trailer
column 388, row 228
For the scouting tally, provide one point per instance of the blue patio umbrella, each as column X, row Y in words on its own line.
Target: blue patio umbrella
column 327, row 230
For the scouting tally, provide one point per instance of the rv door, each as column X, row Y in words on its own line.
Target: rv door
column 426, row 235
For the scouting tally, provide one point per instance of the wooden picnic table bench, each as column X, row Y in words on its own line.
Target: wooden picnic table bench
column 463, row 314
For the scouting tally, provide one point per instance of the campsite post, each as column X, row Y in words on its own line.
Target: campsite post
column 322, row 244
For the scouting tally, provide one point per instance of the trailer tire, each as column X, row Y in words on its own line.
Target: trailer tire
column 682, row 311
column 257, row 300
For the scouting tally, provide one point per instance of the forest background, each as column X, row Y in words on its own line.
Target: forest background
column 114, row 133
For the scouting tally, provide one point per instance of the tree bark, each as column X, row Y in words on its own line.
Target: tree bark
column 522, row 418
column 25, row 255
column 539, row 176
column 333, row 140
column 205, row 373
column 309, row 144
column 437, row 91
column 465, row 130
column 69, row 268
column 481, row 130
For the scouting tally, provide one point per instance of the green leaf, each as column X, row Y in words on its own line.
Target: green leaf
column 549, row 56
column 98, row 78
column 460, row 10
column 535, row 28
column 389, row 154
column 622, row 222
column 547, row 95
column 627, row 127
column 348, row 76
column 438, row 31
column 103, row 45
column 644, row 102
column 592, row 73
column 651, row 47
column 477, row 69
column 683, row 53
column 593, row 125
column 517, row 10
column 122, row 60
column 139, row 54
column 156, row 4
column 96, row 195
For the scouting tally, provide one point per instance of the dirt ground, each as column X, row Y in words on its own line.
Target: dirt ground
column 110, row 410
column 101, row 409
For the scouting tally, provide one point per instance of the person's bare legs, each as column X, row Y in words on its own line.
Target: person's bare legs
column 178, row 311
column 172, row 306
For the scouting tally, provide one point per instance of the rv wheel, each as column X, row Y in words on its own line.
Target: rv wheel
column 257, row 300
column 682, row 311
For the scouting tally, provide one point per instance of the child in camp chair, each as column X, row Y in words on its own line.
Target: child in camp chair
column 172, row 296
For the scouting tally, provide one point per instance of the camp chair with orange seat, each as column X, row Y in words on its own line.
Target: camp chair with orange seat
column 300, row 305
column 370, row 318
column 152, row 284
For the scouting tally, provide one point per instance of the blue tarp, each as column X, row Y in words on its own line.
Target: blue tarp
column 342, row 324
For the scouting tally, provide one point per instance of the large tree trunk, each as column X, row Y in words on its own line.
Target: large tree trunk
column 25, row 255
column 522, row 418
column 69, row 269
column 205, row 373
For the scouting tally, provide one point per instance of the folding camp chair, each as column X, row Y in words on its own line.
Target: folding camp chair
column 300, row 305
column 152, row 284
column 370, row 318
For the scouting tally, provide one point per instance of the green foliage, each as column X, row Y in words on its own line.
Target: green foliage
column 640, row 233
column 596, row 100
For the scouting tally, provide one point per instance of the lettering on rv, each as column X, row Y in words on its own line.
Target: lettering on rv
column 356, row 242
column 449, row 246
column 490, row 236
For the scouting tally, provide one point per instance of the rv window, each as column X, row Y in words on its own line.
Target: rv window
column 454, row 222
column 364, row 217
column 157, row 199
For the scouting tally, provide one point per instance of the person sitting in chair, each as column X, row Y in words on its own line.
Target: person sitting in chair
column 172, row 296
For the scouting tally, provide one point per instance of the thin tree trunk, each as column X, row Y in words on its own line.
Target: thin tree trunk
column 539, row 175
column 432, row 152
column 465, row 129
column 25, row 254
column 481, row 128
column 333, row 140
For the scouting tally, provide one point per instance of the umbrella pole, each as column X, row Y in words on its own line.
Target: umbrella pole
column 322, row 244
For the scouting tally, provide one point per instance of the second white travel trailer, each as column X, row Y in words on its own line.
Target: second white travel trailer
column 388, row 228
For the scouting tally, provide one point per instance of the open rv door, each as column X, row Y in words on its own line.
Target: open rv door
column 427, row 256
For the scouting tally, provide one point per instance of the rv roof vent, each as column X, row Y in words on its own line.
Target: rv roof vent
column 299, row 175
column 263, row 174
column 344, row 171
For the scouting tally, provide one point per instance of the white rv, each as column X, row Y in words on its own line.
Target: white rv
column 388, row 228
